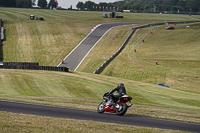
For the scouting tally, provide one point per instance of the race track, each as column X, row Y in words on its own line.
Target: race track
column 72, row 61
column 77, row 55
column 94, row 116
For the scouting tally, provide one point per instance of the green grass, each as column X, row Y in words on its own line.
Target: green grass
column 177, row 53
column 76, row 90
column 13, row 123
column 105, row 48
column 49, row 41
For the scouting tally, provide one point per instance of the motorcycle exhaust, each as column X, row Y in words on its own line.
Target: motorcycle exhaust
column 130, row 105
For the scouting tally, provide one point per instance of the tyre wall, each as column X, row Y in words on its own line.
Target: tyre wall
column 31, row 66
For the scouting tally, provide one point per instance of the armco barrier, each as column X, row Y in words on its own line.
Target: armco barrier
column 102, row 67
column 31, row 66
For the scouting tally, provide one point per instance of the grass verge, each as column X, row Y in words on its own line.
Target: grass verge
column 76, row 90
column 49, row 41
column 13, row 123
column 177, row 53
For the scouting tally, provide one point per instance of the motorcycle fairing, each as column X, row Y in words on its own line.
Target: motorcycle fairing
column 109, row 109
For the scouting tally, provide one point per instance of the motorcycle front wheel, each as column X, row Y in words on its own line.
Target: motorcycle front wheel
column 100, row 108
column 122, row 109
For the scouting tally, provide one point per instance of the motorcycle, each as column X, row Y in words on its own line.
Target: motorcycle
column 120, row 107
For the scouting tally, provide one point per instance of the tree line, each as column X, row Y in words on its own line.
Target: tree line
column 28, row 3
column 144, row 5
column 132, row 5
column 16, row 3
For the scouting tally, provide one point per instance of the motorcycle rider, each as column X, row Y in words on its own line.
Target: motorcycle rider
column 121, row 91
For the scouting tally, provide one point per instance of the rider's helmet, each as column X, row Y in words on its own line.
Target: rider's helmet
column 120, row 85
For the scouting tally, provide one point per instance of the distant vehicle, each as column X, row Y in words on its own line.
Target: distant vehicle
column 126, row 10
column 105, row 15
column 170, row 28
column 161, row 84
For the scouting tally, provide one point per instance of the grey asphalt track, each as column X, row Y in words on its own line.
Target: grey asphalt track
column 77, row 55
column 60, row 112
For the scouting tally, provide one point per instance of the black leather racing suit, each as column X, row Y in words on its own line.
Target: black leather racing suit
column 121, row 91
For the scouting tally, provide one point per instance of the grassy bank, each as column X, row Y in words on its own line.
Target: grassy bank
column 49, row 41
column 177, row 53
column 76, row 90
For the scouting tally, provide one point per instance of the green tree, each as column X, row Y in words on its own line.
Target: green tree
column 193, row 5
column 42, row 3
column 8, row 3
column 24, row 3
column 53, row 4
column 141, row 9
column 145, row 5
column 89, row 5
column 80, row 5
column 70, row 8
column 102, row 4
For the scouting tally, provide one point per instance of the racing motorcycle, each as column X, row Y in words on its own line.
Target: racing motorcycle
column 120, row 107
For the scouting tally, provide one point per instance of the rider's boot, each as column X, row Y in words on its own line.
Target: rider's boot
column 117, row 105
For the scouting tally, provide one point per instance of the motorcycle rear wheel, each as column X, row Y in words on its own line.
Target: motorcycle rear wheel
column 122, row 109
column 100, row 108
